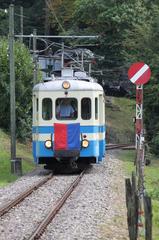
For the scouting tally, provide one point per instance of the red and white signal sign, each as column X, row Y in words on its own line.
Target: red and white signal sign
column 139, row 73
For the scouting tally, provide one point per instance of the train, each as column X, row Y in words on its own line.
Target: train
column 68, row 130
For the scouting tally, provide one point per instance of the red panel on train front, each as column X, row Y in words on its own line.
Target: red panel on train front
column 60, row 136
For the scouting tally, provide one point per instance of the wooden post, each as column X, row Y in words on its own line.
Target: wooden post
column 132, row 208
column 148, row 217
column 136, row 205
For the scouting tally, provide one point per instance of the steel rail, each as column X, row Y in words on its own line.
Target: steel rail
column 54, row 209
column 6, row 207
column 122, row 146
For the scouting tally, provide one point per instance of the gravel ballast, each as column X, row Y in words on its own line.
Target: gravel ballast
column 22, row 220
column 12, row 190
column 95, row 210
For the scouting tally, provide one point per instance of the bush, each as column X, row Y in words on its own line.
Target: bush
column 155, row 145
column 23, row 88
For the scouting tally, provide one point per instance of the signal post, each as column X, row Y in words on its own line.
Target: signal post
column 139, row 73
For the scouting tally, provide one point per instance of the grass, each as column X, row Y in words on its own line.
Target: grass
column 23, row 151
column 119, row 115
column 151, row 183
column 119, row 119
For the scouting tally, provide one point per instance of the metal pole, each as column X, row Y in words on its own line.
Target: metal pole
column 12, row 88
column 62, row 57
column 21, row 23
column 34, row 56
column 90, row 69
column 140, row 159
column 82, row 59
column 139, row 114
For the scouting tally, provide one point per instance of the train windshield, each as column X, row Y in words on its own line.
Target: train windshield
column 66, row 108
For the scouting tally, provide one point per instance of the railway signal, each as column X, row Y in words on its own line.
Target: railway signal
column 139, row 73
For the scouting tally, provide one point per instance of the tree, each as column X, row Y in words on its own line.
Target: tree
column 111, row 20
column 129, row 33
column 4, row 22
column 60, row 13
column 141, row 44
column 23, row 76
column 33, row 16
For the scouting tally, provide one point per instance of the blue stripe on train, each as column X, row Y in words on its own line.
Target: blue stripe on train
column 85, row 129
column 95, row 149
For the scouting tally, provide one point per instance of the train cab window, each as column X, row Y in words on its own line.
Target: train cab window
column 66, row 108
column 96, row 108
column 47, row 109
column 86, row 108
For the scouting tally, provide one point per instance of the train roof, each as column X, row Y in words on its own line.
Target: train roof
column 75, row 85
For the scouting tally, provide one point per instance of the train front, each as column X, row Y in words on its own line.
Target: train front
column 67, row 126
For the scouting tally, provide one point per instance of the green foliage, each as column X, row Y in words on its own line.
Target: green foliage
column 60, row 14
column 155, row 143
column 111, row 20
column 35, row 17
column 141, row 44
column 23, row 77
column 155, row 230
column 129, row 33
column 4, row 23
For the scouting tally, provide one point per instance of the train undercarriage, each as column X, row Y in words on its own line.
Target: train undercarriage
column 66, row 165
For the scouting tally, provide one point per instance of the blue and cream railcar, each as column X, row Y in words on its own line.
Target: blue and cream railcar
column 80, row 136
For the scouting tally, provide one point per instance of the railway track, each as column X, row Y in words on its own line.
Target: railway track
column 78, row 212
column 120, row 146
column 6, row 207
column 49, row 213
column 54, row 209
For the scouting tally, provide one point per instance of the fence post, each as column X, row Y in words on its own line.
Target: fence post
column 132, row 207
column 135, row 204
column 148, row 217
column 16, row 167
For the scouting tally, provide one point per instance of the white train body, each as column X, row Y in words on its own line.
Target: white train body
column 81, row 137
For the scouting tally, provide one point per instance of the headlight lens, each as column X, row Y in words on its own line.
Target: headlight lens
column 85, row 143
column 66, row 85
column 48, row 144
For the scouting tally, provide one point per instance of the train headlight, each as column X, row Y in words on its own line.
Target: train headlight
column 66, row 85
column 48, row 144
column 85, row 143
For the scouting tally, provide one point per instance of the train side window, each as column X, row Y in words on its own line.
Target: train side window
column 96, row 108
column 86, row 108
column 37, row 105
column 37, row 108
column 47, row 109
